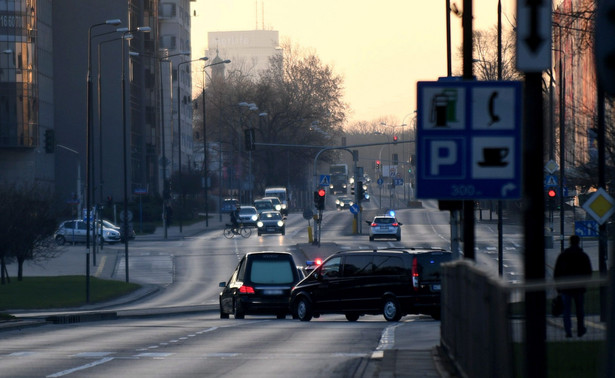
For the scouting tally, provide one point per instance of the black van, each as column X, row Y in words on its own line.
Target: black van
column 389, row 282
column 260, row 285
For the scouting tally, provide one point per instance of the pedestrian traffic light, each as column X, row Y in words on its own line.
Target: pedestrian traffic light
column 50, row 142
column 319, row 199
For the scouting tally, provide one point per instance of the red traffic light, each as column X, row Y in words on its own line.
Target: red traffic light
column 321, row 192
column 394, row 138
column 551, row 193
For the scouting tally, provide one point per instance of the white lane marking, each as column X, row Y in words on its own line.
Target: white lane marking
column 82, row 367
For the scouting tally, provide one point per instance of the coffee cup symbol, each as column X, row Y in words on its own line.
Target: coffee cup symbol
column 494, row 157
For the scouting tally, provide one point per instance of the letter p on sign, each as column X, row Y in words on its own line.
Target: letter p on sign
column 443, row 152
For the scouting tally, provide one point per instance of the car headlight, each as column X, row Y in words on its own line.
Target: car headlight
column 283, row 206
column 259, row 224
column 337, row 202
column 280, row 223
column 278, row 207
column 254, row 217
column 331, row 186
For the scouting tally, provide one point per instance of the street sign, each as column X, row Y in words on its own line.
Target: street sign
column 325, row 180
column 469, row 140
column 354, row 208
column 551, row 167
column 398, row 182
column 533, row 35
column 586, row 229
column 550, row 181
column 600, row 206
column 380, row 181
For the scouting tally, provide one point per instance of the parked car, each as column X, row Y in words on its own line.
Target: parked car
column 260, row 285
column 248, row 215
column 74, row 231
column 229, row 205
column 106, row 224
column 389, row 282
column 271, row 222
column 384, row 226
column 263, row 205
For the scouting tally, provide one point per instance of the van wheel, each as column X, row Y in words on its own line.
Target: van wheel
column 391, row 309
column 303, row 309
column 352, row 316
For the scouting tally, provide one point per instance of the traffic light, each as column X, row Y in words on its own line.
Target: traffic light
column 319, row 199
column 50, row 142
column 361, row 190
column 394, row 138
column 377, row 164
column 551, row 196
column 249, row 139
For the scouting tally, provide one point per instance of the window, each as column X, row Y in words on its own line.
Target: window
column 168, row 10
column 168, row 42
column 275, row 271
column 388, row 265
column 331, row 268
column 360, row 265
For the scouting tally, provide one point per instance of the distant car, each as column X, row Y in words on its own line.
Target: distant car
column 248, row 215
column 74, row 231
column 277, row 204
column 260, row 285
column 271, row 222
column 229, row 205
column 391, row 282
column 343, row 202
column 384, row 226
column 106, row 224
column 263, row 205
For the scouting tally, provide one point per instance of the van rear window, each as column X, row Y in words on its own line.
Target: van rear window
column 271, row 272
column 388, row 265
column 429, row 266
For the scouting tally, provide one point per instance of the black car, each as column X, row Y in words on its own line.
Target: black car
column 260, row 285
column 389, row 282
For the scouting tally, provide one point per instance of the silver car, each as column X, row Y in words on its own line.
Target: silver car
column 384, row 226
column 74, row 231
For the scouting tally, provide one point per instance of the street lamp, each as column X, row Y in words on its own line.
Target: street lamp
column 205, row 141
column 126, row 35
column 88, row 130
column 165, row 184
column 179, row 136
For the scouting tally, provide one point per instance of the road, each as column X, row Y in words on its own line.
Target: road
column 188, row 272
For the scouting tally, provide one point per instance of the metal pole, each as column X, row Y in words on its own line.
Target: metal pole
column 164, row 156
column 205, row 176
column 125, row 217
column 468, row 205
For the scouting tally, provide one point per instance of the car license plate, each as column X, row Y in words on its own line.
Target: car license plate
column 384, row 227
column 272, row 292
column 436, row 287
column 270, row 229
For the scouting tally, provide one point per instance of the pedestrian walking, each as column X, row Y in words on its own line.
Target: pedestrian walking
column 573, row 262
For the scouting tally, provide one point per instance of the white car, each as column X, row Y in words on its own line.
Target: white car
column 75, row 231
column 384, row 226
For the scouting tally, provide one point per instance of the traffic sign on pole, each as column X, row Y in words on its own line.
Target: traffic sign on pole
column 533, row 35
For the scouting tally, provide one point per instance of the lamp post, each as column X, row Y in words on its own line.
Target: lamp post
column 88, row 130
column 126, row 35
column 205, row 183
column 165, row 186
column 179, row 137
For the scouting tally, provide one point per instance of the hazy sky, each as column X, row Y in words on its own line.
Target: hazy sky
column 380, row 48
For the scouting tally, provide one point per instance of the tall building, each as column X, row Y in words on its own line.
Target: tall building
column 26, row 93
column 249, row 51
column 73, row 21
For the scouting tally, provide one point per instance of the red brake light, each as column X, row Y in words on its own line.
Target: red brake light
column 374, row 224
column 415, row 274
column 246, row 289
column 395, row 224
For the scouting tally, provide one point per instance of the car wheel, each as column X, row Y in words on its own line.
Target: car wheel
column 60, row 240
column 223, row 315
column 237, row 314
column 259, row 233
column 303, row 309
column 391, row 309
column 399, row 238
column 371, row 238
column 352, row 316
column 283, row 231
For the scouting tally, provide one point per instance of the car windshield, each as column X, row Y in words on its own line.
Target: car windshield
column 247, row 211
column 271, row 272
column 270, row 216
column 263, row 205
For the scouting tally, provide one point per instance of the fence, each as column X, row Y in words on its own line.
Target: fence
column 483, row 326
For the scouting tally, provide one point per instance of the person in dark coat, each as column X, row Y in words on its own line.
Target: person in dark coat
column 573, row 262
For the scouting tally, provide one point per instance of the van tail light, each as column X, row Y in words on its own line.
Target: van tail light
column 415, row 274
column 246, row 289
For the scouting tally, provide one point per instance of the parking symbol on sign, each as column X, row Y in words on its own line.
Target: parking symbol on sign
column 445, row 158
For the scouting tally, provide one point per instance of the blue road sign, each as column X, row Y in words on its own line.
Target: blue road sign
column 586, row 228
column 469, row 140
column 325, row 180
column 354, row 208
column 380, row 181
column 398, row 182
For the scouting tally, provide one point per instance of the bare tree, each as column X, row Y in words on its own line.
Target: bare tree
column 26, row 234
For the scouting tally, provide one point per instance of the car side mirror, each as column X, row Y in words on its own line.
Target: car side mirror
column 401, row 224
column 368, row 222
column 222, row 284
